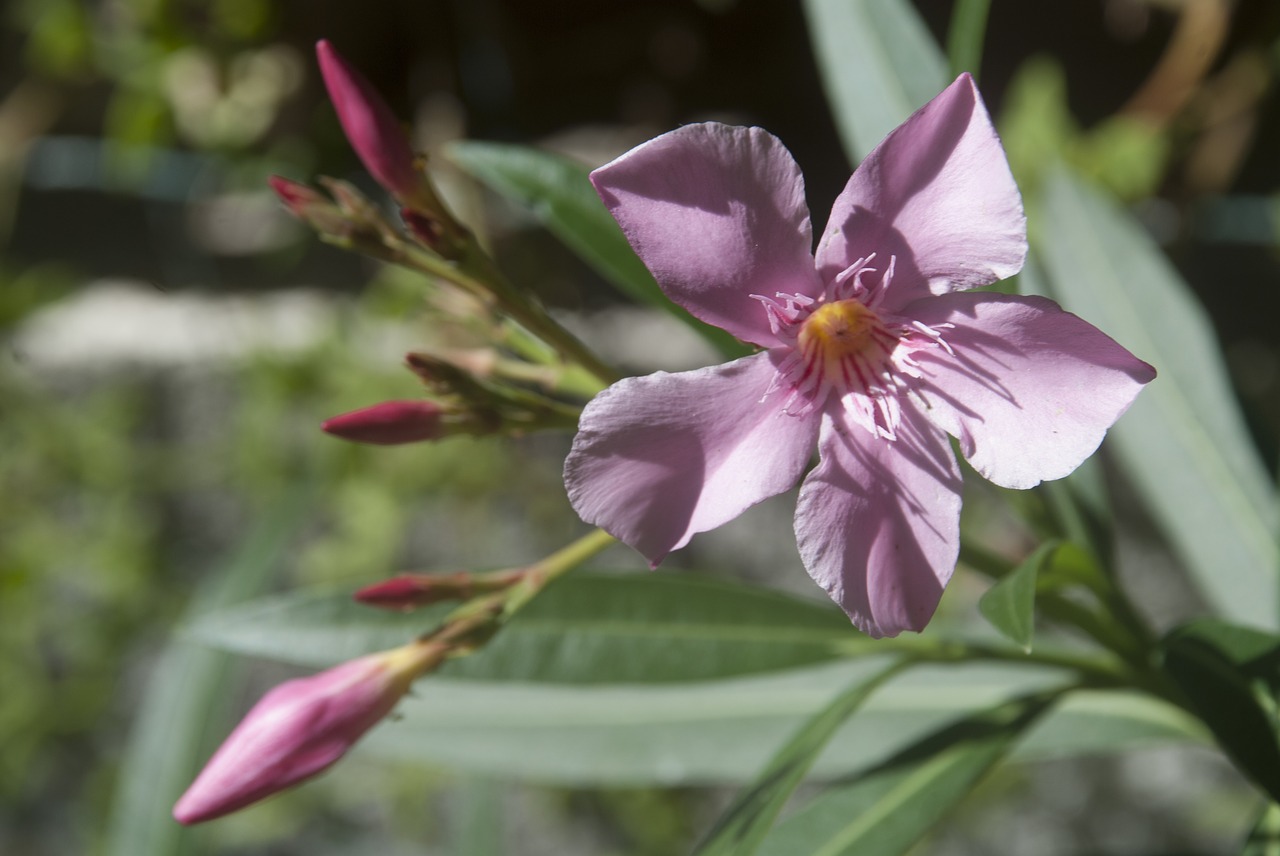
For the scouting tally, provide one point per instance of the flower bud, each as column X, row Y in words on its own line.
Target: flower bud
column 390, row 423
column 407, row 592
column 300, row 728
column 373, row 130
column 410, row 591
column 310, row 206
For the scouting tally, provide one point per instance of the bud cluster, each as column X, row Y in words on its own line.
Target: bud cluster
column 527, row 374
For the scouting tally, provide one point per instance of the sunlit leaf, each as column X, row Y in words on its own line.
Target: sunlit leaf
column 634, row 628
column 557, row 193
column 887, row 810
column 1183, row 443
column 878, row 64
column 1010, row 604
column 747, row 821
column 720, row 732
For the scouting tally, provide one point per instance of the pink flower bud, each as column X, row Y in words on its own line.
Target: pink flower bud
column 407, row 592
column 300, row 728
column 390, row 423
column 372, row 129
column 310, row 206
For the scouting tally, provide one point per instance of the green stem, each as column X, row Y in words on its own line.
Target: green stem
column 497, row 607
column 1097, row 671
column 477, row 276
column 564, row 379
column 555, row 566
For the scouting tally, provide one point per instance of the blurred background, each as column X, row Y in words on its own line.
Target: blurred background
column 170, row 340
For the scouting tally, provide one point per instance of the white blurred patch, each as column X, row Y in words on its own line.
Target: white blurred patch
column 115, row 322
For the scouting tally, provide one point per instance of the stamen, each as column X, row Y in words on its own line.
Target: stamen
column 842, row 345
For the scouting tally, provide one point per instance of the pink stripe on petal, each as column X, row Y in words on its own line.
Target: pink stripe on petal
column 662, row 457
column 717, row 213
column 878, row 522
column 1030, row 390
column 937, row 194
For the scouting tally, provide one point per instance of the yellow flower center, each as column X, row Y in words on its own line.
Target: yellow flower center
column 838, row 331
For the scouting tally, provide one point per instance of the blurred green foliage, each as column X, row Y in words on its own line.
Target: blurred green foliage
column 115, row 500
column 1123, row 154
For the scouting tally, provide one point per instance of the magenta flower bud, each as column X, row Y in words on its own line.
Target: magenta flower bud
column 310, row 206
column 390, row 423
column 410, row 591
column 372, row 129
column 300, row 728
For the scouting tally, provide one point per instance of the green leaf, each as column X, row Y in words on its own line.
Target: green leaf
column 720, row 732
column 1183, row 443
column 887, row 810
column 1229, row 675
column 746, row 823
column 1010, row 604
column 878, row 64
column 181, row 705
column 1264, row 840
column 557, row 192
column 965, row 35
column 629, row 628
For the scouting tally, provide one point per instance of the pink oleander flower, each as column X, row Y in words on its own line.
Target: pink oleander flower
column 873, row 352
column 300, row 728
column 373, row 130
column 390, row 423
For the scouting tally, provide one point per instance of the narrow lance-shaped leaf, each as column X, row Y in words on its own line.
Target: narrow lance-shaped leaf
column 1183, row 443
column 1230, row 675
column 633, row 628
column 181, row 704
column 558, row 194
column 886, row 811
column 965, row 35
column 878, row 64
column 747, row 821
column 1010, row 604
column 726, row 731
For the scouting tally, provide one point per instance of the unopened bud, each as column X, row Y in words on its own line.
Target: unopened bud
column 302, row 727
column 425, row 229
column 390, row 423
column 444, row 378
column 310, row 206
column 373, row 130
column 410, row 591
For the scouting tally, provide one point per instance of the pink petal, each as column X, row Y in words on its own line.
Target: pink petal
column 878, row 522
column 662, row 457
column 1031, row 389
column 717, row 213
column 938, row 195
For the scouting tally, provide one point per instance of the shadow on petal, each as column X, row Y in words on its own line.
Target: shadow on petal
column 878, row 522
